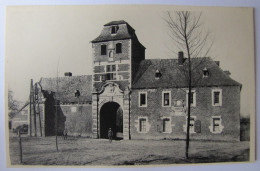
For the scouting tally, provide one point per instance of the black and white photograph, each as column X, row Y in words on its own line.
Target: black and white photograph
column 129, row 85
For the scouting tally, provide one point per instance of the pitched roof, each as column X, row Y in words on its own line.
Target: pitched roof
column 67, row 87
column 174, row 75
column 125, row 31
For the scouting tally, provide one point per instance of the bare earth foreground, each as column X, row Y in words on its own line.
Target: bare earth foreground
column 84, row 151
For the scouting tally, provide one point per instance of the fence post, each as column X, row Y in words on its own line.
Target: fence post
column 20, row 147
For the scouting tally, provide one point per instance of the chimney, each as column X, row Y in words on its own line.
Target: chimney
column 217, row 62
column 180, row 58
column 68, row 74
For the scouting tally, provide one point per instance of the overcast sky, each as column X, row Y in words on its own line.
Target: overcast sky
column 38, row 36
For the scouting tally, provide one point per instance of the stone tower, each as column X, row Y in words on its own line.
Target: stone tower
column 116, row 54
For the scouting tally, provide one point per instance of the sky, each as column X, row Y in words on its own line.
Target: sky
column 40, row 40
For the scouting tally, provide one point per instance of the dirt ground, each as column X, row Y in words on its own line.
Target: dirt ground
column 83, row 151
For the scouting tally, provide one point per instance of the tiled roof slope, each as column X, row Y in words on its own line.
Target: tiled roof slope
column 125, row 31
column 67, row 87
column 173, row 75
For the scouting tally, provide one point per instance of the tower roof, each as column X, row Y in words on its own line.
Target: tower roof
column 124, row 31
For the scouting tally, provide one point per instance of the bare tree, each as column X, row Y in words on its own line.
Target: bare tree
column 12, row 104
column 189, row 36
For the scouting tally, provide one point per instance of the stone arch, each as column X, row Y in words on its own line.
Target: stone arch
column 111, row 116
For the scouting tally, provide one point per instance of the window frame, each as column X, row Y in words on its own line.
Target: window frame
column 211, row 127
column 163, row 100
column 213, row 97
column 103, row 51
column 164, row 130
column 115, row 27
column 138, row 125
column 194, row 103
column 185, row 126
column 139, row 99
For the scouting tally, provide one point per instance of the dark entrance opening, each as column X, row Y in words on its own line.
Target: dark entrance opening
column 111, row 116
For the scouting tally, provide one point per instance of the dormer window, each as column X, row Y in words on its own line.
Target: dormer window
column 205, row 72
column 157, row 74
column 114, row 29
column 77, row 93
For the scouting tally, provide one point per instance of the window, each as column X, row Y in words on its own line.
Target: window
column 166, row 125
column 118, row 48
column 157, row 74
column 114, row 29
column 111, row 68
column 103, row 49
column 217, row 97
column 216, row 125
column 192, row 99
column 142, row 99
column 166, row 98
column 192, row 124
column 111, row 76
column 205, row 72
column 77, row 93
column 142, row 125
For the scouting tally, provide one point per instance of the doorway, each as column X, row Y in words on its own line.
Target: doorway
column 111, row 116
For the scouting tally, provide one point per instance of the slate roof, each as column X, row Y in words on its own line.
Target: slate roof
column 125, row 31
column 174, row 75
column 68, row 86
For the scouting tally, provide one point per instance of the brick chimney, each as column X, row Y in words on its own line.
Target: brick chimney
column 67, row 74
column 180, row 58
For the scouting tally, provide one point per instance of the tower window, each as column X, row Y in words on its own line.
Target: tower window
column 103, row 49
column 114, row 29
column 111, row 68
column 118, row 48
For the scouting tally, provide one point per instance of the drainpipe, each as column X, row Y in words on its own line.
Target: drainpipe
column 129, row 126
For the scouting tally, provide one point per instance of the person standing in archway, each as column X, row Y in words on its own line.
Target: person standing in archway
column 110, row 135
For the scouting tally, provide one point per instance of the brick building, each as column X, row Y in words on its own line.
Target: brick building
column 142, row 98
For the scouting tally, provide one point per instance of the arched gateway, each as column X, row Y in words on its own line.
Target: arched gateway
column 111, row 116
column 110, row 109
